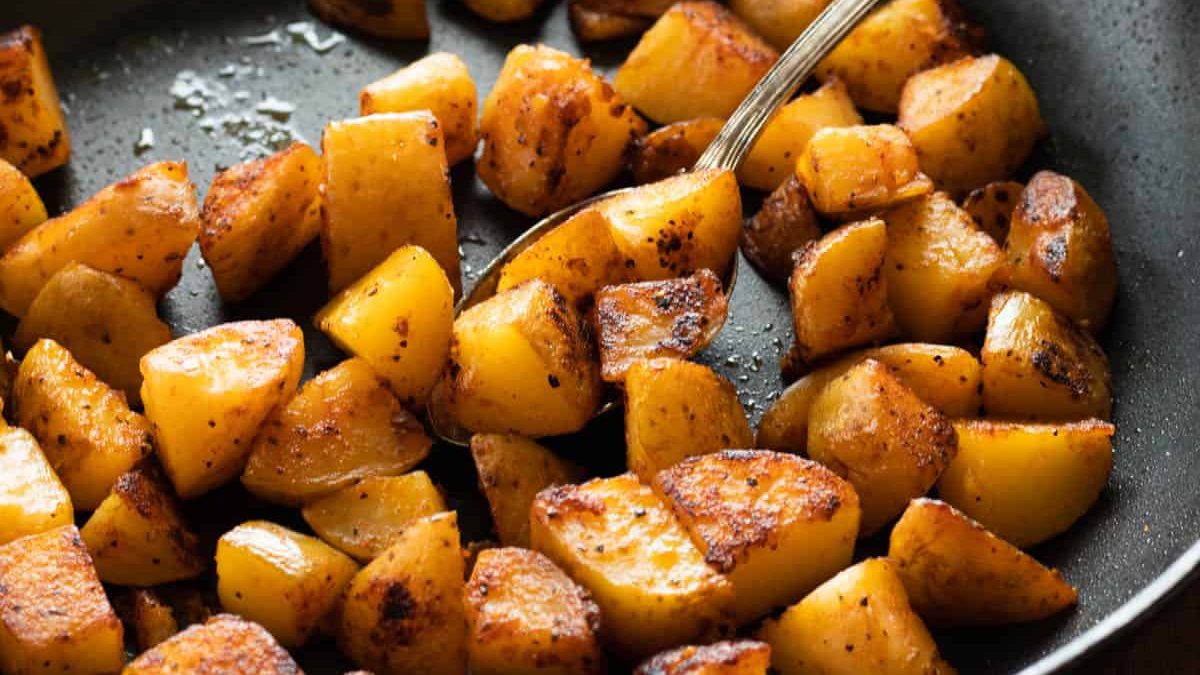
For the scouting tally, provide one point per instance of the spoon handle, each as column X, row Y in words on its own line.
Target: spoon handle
column 736, row 138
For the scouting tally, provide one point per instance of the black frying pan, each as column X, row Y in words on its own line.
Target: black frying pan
column 1116, row 84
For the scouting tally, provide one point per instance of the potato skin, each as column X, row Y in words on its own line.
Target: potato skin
column 672, row 149
column 784, row 224
column 33, row 128
column 992, row 206
column 852, row 170
column 224, row 644
column 512, row 471
column 728, row 657
column 21, row 209
column 32, row 498
column 361, row 520
column 594, row 24
column 397, row 19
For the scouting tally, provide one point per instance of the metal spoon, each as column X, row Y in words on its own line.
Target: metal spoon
column 727, row 151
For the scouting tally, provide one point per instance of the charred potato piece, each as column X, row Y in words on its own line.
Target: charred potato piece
column 592, row 24
column 992, row 206
column 152, row 619
column 32, row 498
column 363, row 519
column 672, row 149
column 399, row 19
column 728, row 657
column 577, row 258
column 503, row 11
column 21, row 209
column 784, row 224
column 852, row 170
column 33, row 129
column 224, row 644
column 512, row 471
column 779, row 21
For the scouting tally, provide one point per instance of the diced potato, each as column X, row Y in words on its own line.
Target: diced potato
column 779, row 21
column 54, row 616
column 363, row 519
column 386, row 184
column 225, row 644
column 784, row 224
column 972, row 121
column 33, row 129
column 553, row 131
column 728, row 657
column 1060, row 249
column 137, row 536
column 86, row 429
column 698, row 60
column 615, row 537
column 672, row 149
column 107, row 323
column 957, row 573
column 857, row 622
column 677, row 226
column 674, row 318
column 1027, row 482
column 939, row 269
column 153, row 620
column 577, row 258
column 873, row 430
column 503, row 11
column 676, row 409
column 403, row 613
column 400, row 19
column 992, row 206
column 257, row 216
column 207, row 393
column 32, row 498
column 343, row 426
column 139, row 228
column 776, row 524
column 852, row 170
column 21, row 209
column 1038, row 365
column 524, row 615
column 439, row 83
column 521, row 362
column 594, row 24
column 512, row 471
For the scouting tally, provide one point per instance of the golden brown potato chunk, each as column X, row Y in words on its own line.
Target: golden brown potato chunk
column 21, row 209
column 32, row 498
column 400, row 19
column 33, row 129
column 784, row 224
column 362, row 520
column 779, row 21
column 728, row 657
column 524, row 615
column 672, row 149
column 852, row 170
column 503, row 11
column 225, row 644
column 698, row 60
column 152, row 619
column 992, row 206
column 512, row 471
column 594, row 24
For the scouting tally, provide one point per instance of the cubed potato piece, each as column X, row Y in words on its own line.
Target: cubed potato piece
column 577, row 258
column 839, row 291
column 524, row 615
column 1038, row 365
column 151, row 617
column 439, row 83
column 957, row 573
column 779, row 21
column 553, row 131
column 397, row 19
column 512, row 471
column 1028, row 482
column 1060, row 249
column 777, row 525
column 386, row 184
column 33, row 128
column 594, row 24
column 972, row 121
column 32, row 498
column 676, row 409
column 21, row 209
column 107, row 322
column 870, row 428
column 857, row 622
column 939, row 269
column 728, row 657
column 283, row 580
column 343, row 426
column 992, row 206
column 257, row 216
column 363, row 519
column 618, row 540
column 522, row 362
column 224, row 644
column 54, row 616
column 86, row 429
column 672, row 149
column 137, row 536
column 139, row 228
column 698, row 60
column 403, row 613
column 503, row 11
column 207, row 393
column 677, row 226
column 675, row 318
column 852, row 170
column 784, row 224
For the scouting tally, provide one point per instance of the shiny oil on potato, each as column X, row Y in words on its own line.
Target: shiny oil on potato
column 852, row 170
column 672, row 148
column 224, row 643
column 727, row 657
column 992, row 206
column 594, row 24
column 33, row 128
column 784, row 224
column 32, row 498
column 363, row 519
column 779, row 21
column 21, row 209
column 512, row 471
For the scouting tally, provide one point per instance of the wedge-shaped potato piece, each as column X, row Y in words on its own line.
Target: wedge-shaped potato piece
column 512, row 471
column 33, row 128
column 403, row 613
column 439, row 83
column 991, row 207
column 402, row 19
column 957, row 573
column 224, row 644
column 776, row 524
column 503, row 11
column 363, row 519
column 857, row 622
column 524, row 615
column 21, row 209
column 139, row 228
column 151, row 618
column 86, row 429
column 674, row 318
column 137, row 536
column 593, row 24
column 32, row 498
column 107, row 323
column 386, row 185
column 1027, row 482
column 892, row 446
column 698, row 60
column 577, row 258
column 522, row 362
column 344, row 425
column 207, row 393
column 54, row 616
column 1038, row 365
column 617, row 539
column 553, row 131
column 779, row 21
column 676, row 409
column 972, row 121
column 672, row 149
column 852, row 170
column 784, row 224
column 677, row 226
column 728, row 657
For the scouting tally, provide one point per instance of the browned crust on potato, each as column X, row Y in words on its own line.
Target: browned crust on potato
column 224, row 644
column 785, row 223
column 692, row 659
column 730, row 33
